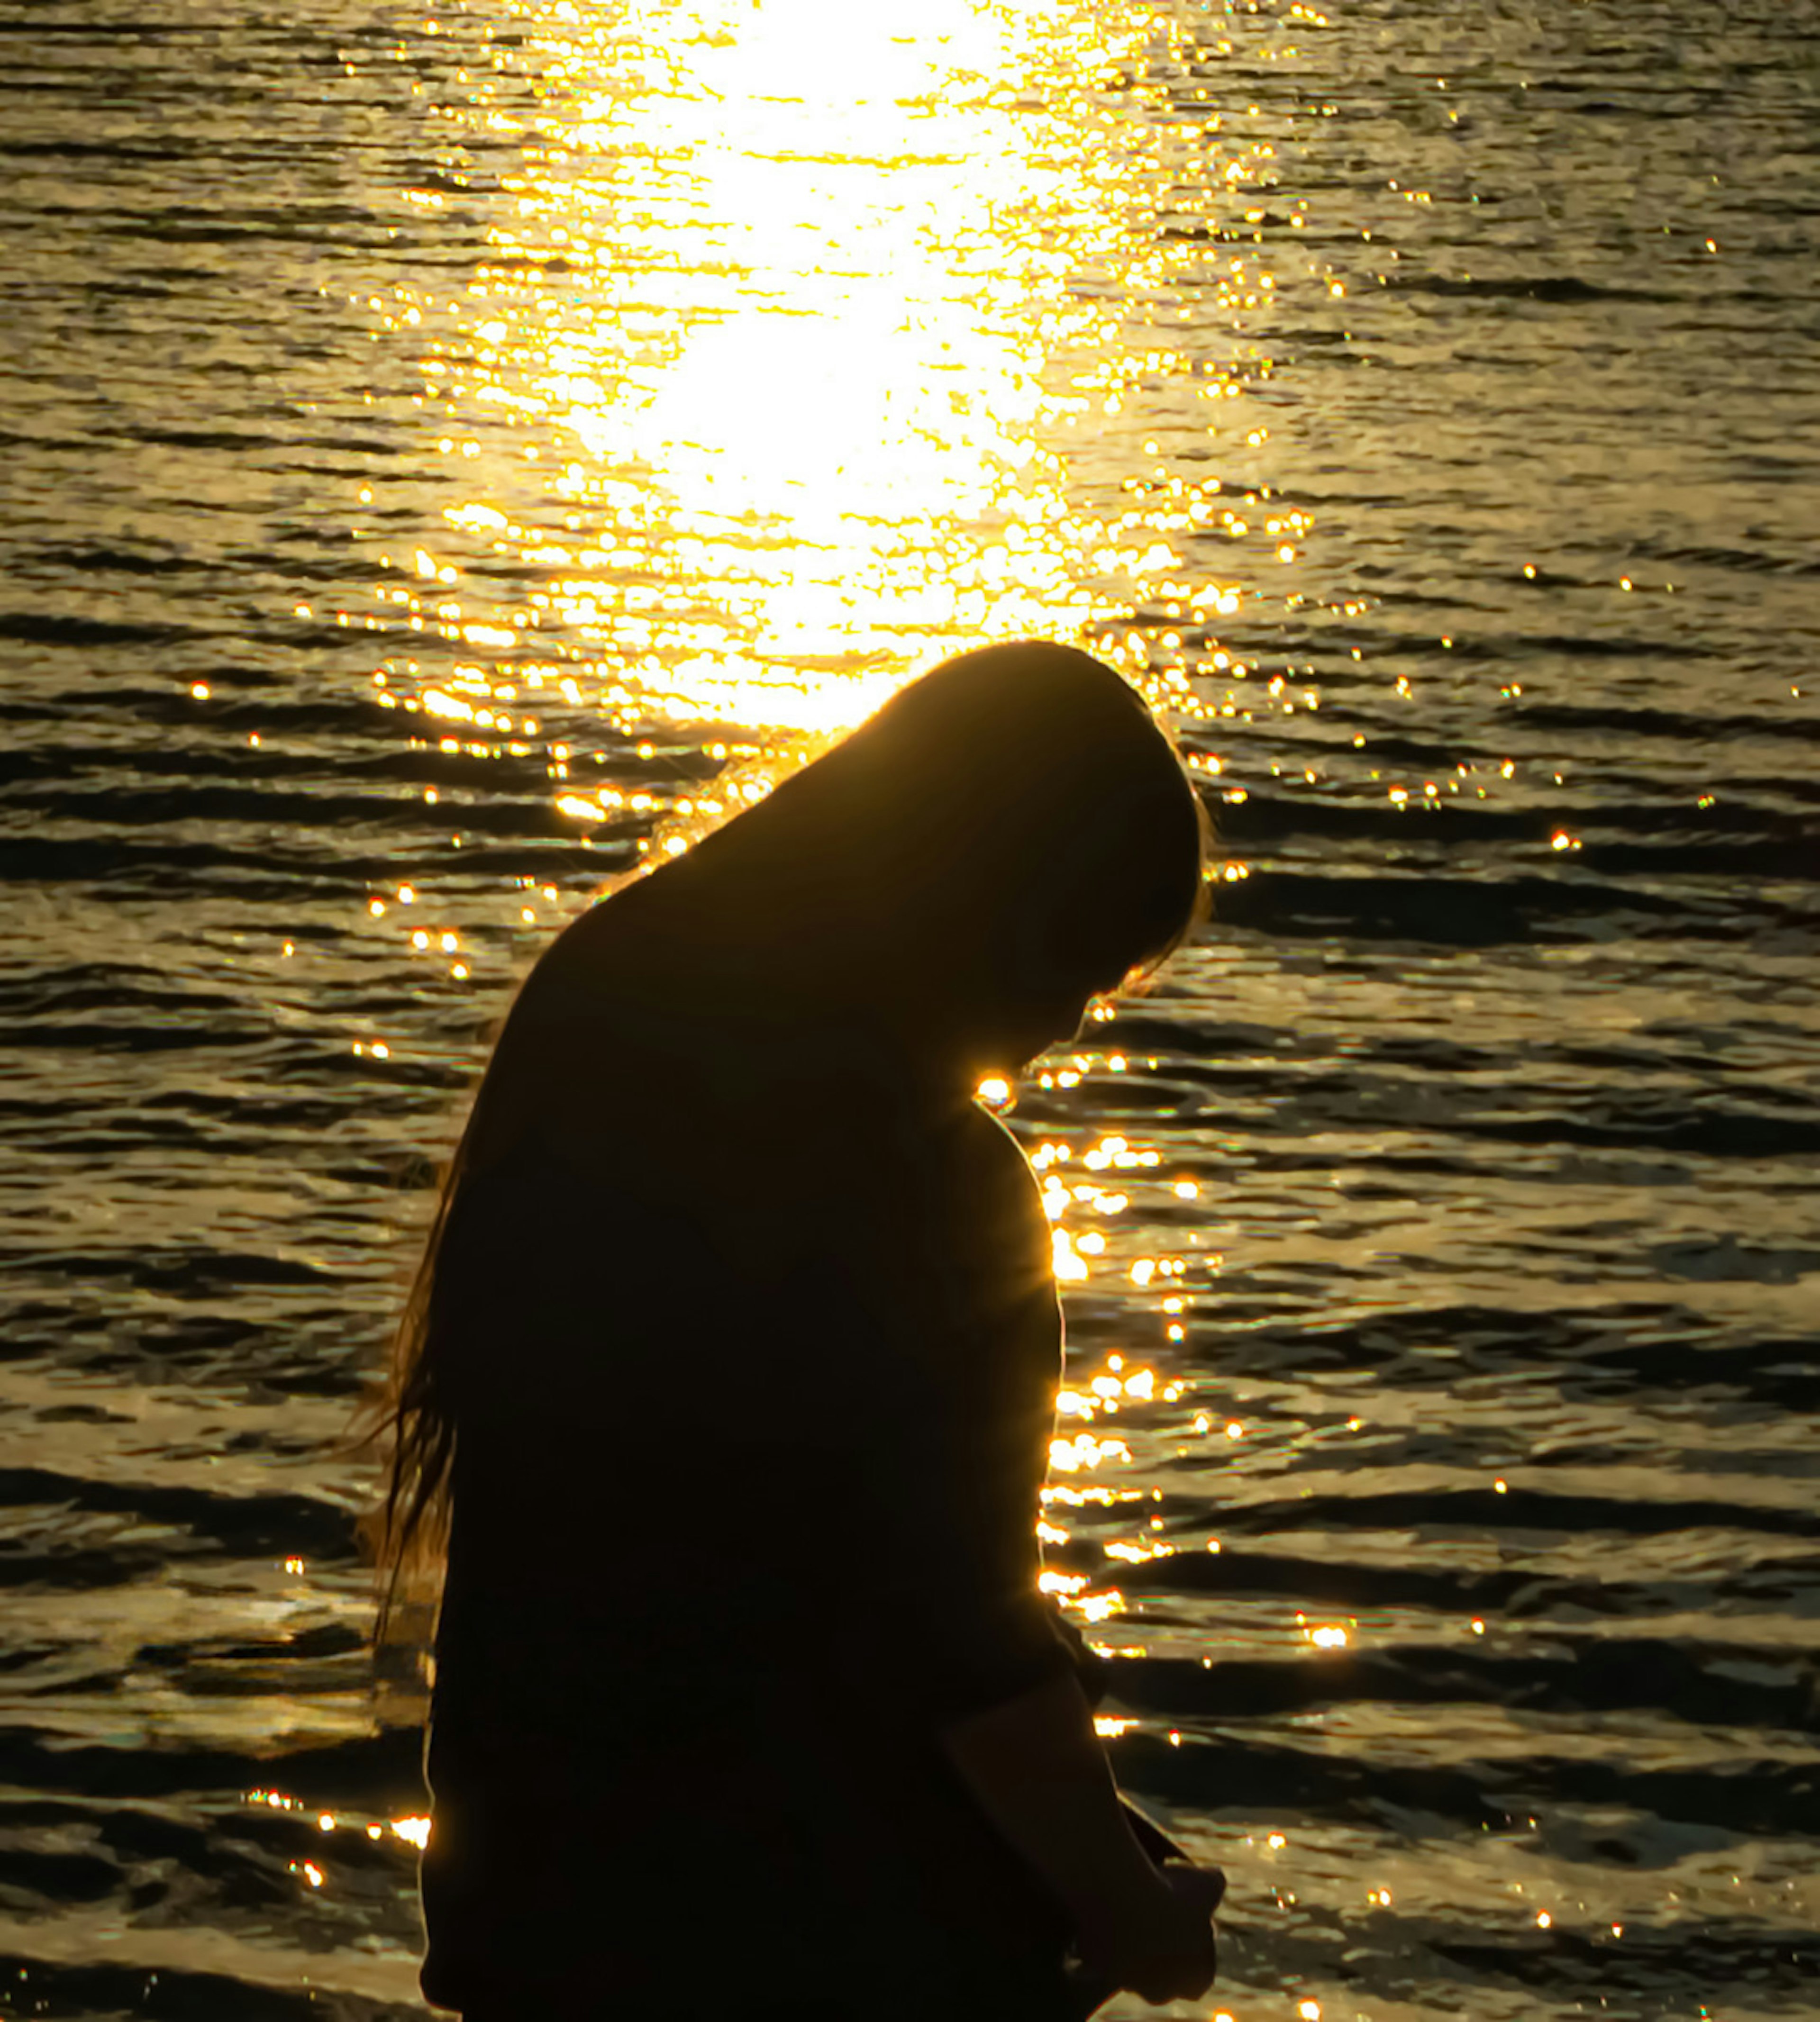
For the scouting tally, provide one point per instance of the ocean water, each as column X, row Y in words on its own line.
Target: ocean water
column 445, row 450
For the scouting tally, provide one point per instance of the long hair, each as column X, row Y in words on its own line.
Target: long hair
column 1009, row 836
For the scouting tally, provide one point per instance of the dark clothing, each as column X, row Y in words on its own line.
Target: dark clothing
column 745, row 1491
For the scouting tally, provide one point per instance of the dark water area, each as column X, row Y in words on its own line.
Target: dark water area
column 442, row 452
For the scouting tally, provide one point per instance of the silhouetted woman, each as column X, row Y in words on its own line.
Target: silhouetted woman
column 731, row 1371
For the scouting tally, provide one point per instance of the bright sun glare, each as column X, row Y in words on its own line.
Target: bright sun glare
column 814, row 269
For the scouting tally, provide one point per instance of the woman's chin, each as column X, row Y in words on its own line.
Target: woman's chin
column 1020, row 1051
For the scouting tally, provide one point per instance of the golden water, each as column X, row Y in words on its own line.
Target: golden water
column 451, row 455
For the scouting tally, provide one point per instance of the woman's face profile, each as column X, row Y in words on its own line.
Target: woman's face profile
column 1020, row 1039
column 1037, row 1006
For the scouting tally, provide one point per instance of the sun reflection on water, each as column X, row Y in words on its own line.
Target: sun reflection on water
column 770, row 316
column 784, row 362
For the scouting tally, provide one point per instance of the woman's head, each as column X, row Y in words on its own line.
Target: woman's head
column 1009, row 836
column 1048, row 840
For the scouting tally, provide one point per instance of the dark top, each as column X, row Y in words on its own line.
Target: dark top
column 745, row 1494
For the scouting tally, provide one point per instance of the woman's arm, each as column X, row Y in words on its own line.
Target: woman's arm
column 1035, row 1768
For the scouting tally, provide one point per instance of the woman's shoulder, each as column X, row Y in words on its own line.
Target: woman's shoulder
column 996, row 1160
column 990, row 1219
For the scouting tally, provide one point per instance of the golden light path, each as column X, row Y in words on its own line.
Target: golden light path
column 809, row 373
column 758, row 400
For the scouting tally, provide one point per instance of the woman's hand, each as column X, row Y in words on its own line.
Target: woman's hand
column 1037, row 1770
column 1159, row 1945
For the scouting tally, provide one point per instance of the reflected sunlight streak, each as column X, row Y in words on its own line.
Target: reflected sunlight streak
column 781, row 289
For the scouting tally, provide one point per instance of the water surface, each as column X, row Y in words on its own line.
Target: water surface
column 447, row 455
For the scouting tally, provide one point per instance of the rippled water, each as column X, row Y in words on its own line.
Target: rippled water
column 433, row 447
